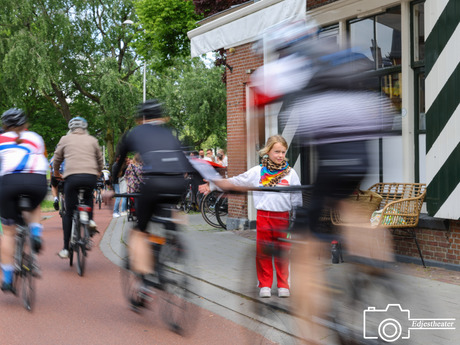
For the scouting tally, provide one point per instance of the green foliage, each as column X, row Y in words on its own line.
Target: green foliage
column 66, row 58
column 162, row 34
column 195, row 99
column 73, row 55
column 210, row 7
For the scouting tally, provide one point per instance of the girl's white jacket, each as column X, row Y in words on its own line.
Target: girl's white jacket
column 270, row 201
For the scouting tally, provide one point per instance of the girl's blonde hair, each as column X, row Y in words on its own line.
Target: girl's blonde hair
column 272, row 141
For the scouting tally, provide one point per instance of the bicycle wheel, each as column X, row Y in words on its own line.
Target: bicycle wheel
column 222, row 210
column 131, row 285
column 208, row 208
column 27, row 272
column 61, row 204
column 179, row 314
column 187, row 204
column 99, row 198
column 80, row 248
column 70, row 257
column 197, row 203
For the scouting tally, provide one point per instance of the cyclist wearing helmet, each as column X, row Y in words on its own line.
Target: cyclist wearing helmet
column 83, row 165
column 23, row 171
column 164, row 165
column 328, row 105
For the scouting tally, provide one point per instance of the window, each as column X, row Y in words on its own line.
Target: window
column 379, row 37
column 330, row 33
column 418, row 32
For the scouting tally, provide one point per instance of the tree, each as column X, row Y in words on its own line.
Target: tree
column 210, row 7
column 195, row 99
column 75, row 55
column 163, row 32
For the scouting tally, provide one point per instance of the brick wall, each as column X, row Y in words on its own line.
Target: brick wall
column 241, row 59
column 438, row 245
column 311, row 4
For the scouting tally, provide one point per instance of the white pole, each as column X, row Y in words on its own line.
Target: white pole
column 144, row 89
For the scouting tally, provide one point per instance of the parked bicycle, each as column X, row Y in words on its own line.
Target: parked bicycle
column 167, row 285
column 80, row 239
column 214, row 209
column 190, row 200
column 25, row 262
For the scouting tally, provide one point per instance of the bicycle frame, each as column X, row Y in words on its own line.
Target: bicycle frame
column 25, row 267
column 80, row 242
column 167, row 282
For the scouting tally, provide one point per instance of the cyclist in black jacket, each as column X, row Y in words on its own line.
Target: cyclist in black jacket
column 164, row 162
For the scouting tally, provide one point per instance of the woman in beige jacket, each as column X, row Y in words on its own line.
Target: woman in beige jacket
column 83, row 166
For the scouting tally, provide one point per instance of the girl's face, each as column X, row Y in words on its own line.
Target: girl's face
column 277, row 154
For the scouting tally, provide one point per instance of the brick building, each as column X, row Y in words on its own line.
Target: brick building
column 413, row 46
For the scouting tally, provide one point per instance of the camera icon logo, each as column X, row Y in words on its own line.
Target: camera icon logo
column 394, row 322
column 389, row 324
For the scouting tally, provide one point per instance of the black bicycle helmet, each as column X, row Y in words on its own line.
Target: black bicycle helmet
column 150, row 109
column 14, row 118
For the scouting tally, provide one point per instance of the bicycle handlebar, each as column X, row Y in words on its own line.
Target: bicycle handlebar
column 249, row 189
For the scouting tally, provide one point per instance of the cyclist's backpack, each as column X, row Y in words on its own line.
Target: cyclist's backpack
column 342, row 70
column 165, row 162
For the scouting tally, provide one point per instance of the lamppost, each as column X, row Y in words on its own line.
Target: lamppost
column 130, row 22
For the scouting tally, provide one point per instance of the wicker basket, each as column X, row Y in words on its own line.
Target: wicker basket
column 364, row 204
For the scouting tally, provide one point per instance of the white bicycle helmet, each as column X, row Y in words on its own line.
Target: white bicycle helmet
column 14, row 118
column 287, row 35
column 78, row 122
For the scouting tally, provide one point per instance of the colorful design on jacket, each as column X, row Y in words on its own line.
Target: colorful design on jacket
column 22, row 157
column 267, row 176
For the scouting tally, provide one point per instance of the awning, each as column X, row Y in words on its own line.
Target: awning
column 244, row 25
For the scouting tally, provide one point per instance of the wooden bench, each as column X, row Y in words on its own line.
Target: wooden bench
column 400, row 207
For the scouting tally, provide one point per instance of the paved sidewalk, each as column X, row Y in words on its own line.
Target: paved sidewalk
column 224, row 277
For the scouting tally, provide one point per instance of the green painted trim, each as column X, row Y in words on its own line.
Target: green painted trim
column 441, row 33
column 442, row 108
column 445, row 181
column 417, row 73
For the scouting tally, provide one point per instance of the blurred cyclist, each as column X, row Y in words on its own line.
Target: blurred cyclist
column 328, row 105
column 23, row 171
column 54, row 183
column 83, row 165
column 164, row 166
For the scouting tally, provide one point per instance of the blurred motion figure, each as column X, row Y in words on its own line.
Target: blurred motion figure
column 328, row 103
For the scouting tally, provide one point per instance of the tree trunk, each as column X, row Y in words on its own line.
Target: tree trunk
column 110, row 146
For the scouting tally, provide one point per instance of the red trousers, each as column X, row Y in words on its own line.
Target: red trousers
column 269, row 225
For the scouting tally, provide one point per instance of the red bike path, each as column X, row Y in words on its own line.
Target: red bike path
column 91, row 309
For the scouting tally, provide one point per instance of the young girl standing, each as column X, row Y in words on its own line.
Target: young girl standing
column 273, row 211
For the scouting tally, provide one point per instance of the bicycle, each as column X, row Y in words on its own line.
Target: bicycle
column 210, row 210
column 80, row 239
column 61, row 198
column 186, row 201
column 189, row 199
column 222, row 210
column 168, row 282
column 99, row 188
column 25, row 263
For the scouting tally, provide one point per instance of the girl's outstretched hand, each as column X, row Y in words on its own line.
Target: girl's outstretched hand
column 204, row 188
